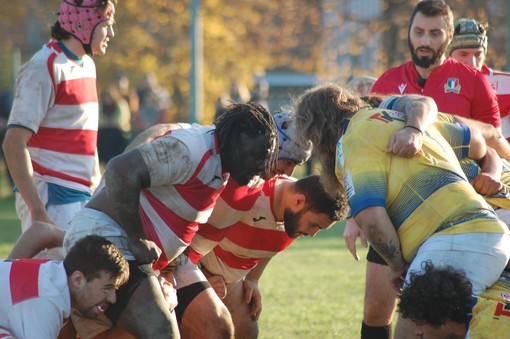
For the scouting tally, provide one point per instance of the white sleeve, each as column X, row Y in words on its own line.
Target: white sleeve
column 35, row 95
column 168, row 161
column 36, row 318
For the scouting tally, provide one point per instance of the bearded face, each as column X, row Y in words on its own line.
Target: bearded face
column 427, row 40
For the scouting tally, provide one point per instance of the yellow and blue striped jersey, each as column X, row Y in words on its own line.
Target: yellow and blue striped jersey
column 423, row 195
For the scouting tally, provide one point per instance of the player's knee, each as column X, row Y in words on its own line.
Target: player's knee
column 224, row 324
column 378, row 312
column 247, row 328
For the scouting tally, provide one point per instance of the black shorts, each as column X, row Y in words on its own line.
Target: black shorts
column 186, row 295
column 137, row 273
column 374, row 257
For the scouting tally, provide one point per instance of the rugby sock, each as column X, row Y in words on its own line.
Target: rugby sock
column 375, row 332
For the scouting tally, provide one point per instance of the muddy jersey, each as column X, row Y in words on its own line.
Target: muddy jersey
column 186, row 181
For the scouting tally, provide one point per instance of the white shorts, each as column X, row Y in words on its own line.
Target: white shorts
column 187, row 273
column 503, row 215
column 89, row 221
column 61, row 215
column 483, row 256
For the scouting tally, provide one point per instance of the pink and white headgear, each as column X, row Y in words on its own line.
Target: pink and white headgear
column 80, row 18
column 288, row 149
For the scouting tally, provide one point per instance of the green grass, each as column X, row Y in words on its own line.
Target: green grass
column 10, row 226
column 314, row 289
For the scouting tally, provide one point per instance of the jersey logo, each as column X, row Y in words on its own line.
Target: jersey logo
column 452, row 85
column 388, row 116
column 402, row 88
column 505, row 297
column 258, row 219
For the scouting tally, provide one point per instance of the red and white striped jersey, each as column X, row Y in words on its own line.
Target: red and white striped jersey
column 186, row 180
column 57, row 100
column 34, row 297
column 233, row 203
column 257, row 235
column 500, row 81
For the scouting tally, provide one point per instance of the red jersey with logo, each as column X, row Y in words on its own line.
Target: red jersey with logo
column 34, row 298
column 456, row 88
column 500, row 81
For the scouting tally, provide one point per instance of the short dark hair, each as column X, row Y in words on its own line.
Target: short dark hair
column 251, row 119
column 93, row 255
column 433, row 8
column 436, row 295
column 317, row 199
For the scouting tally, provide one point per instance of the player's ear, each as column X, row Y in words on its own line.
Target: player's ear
column 78, row 279
column 300, row 201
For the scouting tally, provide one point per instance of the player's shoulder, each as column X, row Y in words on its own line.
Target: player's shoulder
column 398, row 69
column 492, row 72
column 455, row 67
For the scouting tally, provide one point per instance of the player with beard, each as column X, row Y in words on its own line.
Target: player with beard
column 458, row 90
column 285, row 210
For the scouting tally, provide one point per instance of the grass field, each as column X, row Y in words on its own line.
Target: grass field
column 312, row 290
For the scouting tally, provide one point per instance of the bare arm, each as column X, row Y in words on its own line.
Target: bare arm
column 125, row 176
column 379, row 231
column 257, row 271
column 351, row 233
column 491, row 134
column 36, row 238
column 488, row 181
column 15, row 147
column 252, row 293
column 421, row 112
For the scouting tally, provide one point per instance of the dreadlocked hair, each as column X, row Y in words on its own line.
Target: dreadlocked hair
column 251, row 119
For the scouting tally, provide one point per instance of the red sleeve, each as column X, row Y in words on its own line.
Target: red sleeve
column 485, row 103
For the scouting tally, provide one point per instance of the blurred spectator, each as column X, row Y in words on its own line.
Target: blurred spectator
column 360, row 86
column 129, row 94
column 238, row 93
column 6, row 99
column 154, row 103
column 261, row 93
column 114, row 125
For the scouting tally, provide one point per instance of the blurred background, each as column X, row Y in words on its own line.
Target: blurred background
column 183, row 60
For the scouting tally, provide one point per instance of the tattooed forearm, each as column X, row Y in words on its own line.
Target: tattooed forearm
column 388, row 250
column 421, row 111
